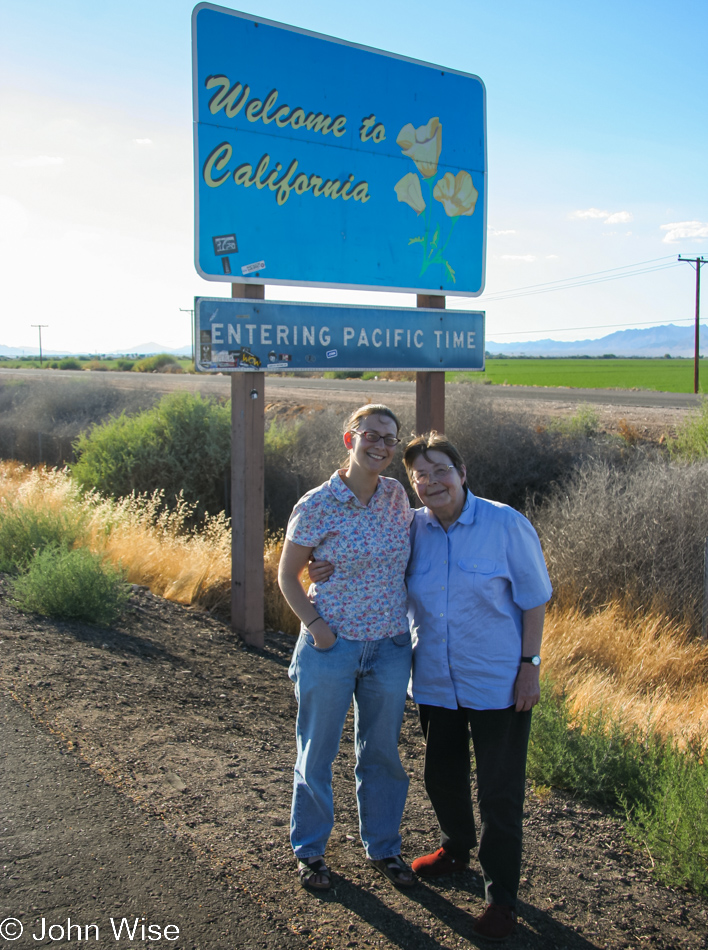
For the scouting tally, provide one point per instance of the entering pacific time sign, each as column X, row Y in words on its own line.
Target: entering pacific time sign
column 321, row 162
column 258, row 335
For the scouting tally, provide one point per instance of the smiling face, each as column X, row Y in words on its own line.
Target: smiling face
column 371, row 457
column 441, row 488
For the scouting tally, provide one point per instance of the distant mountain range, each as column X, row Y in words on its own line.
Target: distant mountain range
column 649, row 342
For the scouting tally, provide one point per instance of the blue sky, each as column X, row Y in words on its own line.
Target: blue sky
column 597, row 144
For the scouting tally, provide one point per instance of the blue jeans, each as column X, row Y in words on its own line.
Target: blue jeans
column 375, row 673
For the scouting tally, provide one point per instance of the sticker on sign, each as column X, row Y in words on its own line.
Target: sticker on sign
column 250, row 268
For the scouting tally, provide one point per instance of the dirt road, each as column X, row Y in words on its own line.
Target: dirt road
column 146, row 771
column 74, row 848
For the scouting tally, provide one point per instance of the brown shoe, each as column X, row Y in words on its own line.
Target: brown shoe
column 496, row 923
column 438, row 863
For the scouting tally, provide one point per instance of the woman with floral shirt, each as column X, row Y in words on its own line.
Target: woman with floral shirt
column 354, row 644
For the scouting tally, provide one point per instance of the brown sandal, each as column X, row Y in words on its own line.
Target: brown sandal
column 395, row 870
column 313, row 868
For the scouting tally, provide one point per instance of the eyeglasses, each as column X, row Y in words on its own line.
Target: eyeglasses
column 437, row 474
column 372, row 437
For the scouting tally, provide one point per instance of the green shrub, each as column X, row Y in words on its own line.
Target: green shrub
column 691, row 442
column 584, row 423
column 24, row 532
column 673, row 825
column 181, row 446
column 125, row 366
column 661, row 789
column 96, row 366
column 72, row 585
column 70, row 363
column 155, row 364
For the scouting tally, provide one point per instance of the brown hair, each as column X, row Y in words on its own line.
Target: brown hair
column 432, row 442
column 370, row 409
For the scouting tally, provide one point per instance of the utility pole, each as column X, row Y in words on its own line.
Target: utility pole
column 39, row 327
column 698, row 262
column 191, row 329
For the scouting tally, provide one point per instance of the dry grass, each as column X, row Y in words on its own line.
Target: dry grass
column 644, row 671
column 156, row 548
column 647, row 671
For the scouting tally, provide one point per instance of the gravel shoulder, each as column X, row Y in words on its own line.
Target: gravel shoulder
column 150, row 775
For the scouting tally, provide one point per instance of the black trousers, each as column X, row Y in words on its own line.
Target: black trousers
column 500, row 738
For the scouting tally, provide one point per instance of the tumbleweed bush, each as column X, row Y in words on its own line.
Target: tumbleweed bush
column 40, row 418
column 633, row 534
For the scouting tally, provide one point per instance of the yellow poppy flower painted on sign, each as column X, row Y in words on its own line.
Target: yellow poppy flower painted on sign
column 423, row 145
column 456, row 193
column 409, row 191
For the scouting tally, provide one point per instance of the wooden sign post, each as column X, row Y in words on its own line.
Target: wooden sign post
column 430, row 387
column 247, row 495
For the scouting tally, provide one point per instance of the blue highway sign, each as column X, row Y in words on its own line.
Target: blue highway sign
column 276, row 337
column 320, row 162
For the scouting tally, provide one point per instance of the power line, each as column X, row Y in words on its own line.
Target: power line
column 584, row 283
column 585, row 279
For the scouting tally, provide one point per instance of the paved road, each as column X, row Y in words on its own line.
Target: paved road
column 307, row 390
column 72, row 847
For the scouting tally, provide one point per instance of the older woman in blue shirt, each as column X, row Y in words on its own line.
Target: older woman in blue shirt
column 477, row 589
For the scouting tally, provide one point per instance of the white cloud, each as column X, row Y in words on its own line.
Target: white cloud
column 529, row 258
column 619, row 217
column 682, row 230
column 551, row 257
column 143, row 141
column 609, row 217
column 497, row 233
column 40, row 161
column 591, row 213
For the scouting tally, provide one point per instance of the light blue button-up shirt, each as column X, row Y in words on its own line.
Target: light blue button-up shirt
column 467, row 590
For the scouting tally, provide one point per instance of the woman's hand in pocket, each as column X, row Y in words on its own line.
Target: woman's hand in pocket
column 322, row 634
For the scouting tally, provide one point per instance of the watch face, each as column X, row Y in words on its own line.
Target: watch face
column 536, row 660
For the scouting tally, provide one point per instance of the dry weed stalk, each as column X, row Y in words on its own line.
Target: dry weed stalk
column 645, row 671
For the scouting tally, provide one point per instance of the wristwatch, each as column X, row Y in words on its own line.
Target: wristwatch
column 535, row 659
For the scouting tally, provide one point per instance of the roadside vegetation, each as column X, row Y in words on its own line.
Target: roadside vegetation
column 624, row 719
column 158, row 363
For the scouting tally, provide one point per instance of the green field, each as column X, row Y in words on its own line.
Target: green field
column 664, row 375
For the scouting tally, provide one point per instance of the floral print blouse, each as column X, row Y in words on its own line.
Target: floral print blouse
column 365, row 598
